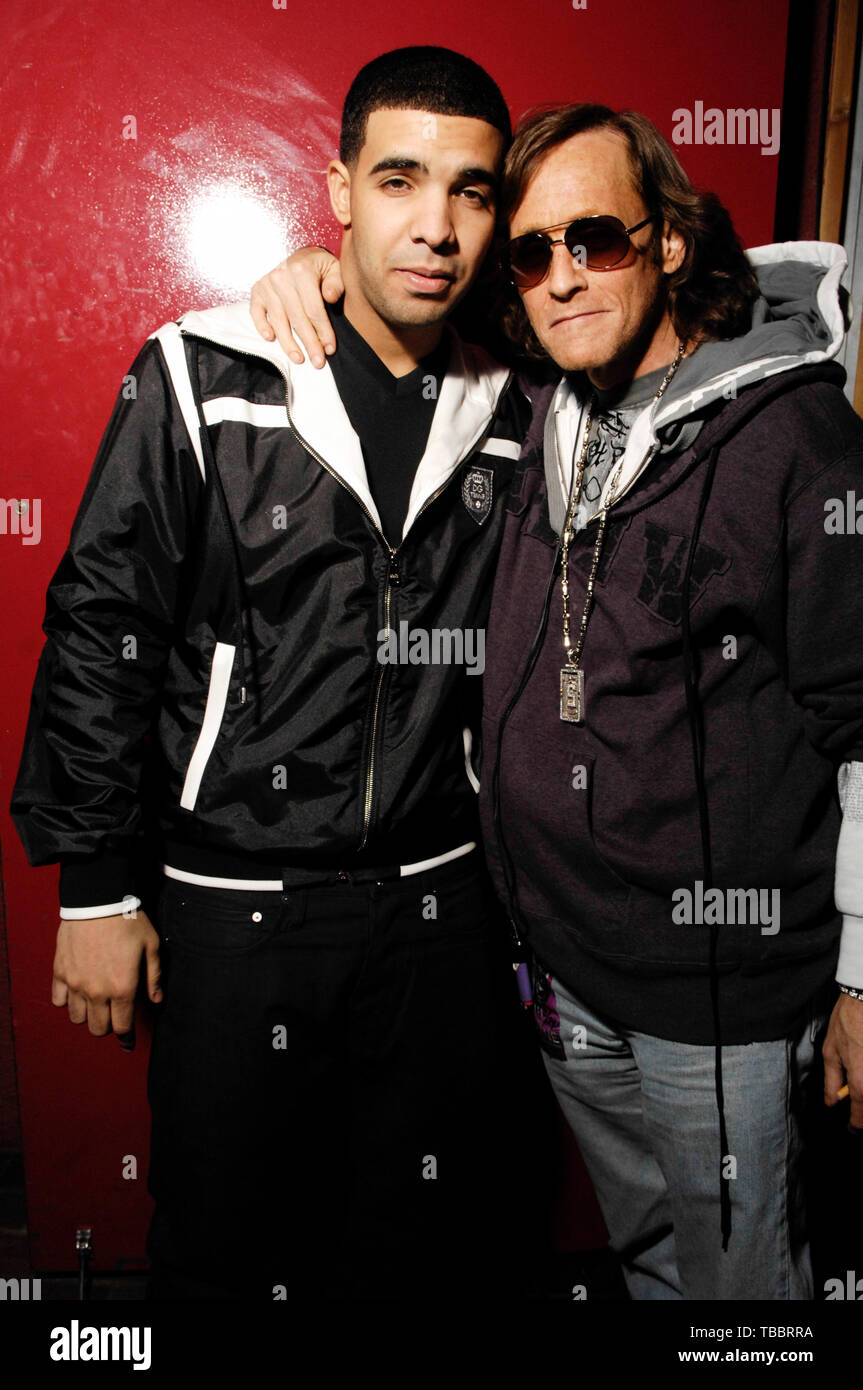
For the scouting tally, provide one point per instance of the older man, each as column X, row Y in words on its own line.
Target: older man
column 673, row 682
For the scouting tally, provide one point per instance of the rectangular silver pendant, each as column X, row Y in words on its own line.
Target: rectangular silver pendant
column 571, row 695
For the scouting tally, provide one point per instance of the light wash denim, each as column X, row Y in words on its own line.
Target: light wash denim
column 644, row 1114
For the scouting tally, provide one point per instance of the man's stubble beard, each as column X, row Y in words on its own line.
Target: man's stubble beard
column 403, row 312
column 628, row 353
column 400, row 311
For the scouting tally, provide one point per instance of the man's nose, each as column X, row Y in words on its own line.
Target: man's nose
column 433, row 222
column 566, row 273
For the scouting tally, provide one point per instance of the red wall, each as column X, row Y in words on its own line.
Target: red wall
column 236, row 105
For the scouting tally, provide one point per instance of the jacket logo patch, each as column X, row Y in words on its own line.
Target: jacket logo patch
column 664, row 563
column 477, row 490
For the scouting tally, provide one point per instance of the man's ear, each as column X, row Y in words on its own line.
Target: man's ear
column 339, row 184
column 673, row 249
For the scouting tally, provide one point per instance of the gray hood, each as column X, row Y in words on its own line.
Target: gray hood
column 798, row 321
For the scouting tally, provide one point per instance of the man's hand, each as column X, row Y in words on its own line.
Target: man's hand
column 292, row 297
column 96, row 967
column 843, row 1047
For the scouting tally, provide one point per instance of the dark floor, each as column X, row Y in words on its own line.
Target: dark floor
column 597, row 1270
column 837, row 1237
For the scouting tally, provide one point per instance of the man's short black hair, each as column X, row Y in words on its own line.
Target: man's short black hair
column 420, row 78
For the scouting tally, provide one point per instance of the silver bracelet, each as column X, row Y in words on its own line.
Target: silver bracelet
column 855, row 993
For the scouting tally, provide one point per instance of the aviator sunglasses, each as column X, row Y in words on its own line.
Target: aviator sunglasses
column 602, row 243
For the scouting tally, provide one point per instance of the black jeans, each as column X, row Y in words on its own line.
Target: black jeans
column 337, row 1082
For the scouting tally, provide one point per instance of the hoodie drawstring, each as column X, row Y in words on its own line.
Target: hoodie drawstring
column 696, row 730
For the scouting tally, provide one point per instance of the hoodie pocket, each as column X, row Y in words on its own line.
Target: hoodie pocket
column 214, row 711
column 613, row 891
column 547, row 806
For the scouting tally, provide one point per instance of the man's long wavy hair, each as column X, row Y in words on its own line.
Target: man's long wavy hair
column 712, row 292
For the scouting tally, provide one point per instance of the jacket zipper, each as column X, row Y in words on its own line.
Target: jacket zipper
column 392, row 579
column 368, row 777
column 392, row 573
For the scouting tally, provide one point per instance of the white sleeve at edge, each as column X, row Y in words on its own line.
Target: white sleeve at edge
column 849, row 875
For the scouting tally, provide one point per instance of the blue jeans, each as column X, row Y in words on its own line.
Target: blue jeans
column 643, row 1110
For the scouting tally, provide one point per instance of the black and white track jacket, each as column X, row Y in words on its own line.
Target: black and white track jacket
column 213, row 629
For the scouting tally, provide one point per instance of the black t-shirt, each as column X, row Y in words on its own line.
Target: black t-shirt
column 392, row 416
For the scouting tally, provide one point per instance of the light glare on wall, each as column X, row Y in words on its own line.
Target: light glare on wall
column 233, row 238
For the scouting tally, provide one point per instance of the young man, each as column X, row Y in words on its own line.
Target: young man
column 673, row 679
column 267, row 630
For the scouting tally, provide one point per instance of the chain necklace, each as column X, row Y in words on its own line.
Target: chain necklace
column 571, row 674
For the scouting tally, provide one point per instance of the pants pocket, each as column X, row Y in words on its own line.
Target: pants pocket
column 220, row 923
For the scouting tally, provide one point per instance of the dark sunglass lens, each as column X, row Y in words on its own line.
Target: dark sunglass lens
column 599, row 246
column 529, row 257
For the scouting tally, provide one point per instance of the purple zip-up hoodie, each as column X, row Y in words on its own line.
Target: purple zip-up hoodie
column 724, row 685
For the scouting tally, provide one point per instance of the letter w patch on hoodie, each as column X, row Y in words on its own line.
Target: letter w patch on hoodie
column 664, row 563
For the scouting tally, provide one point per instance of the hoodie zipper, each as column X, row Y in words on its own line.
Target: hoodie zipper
column 533, row 654
column 392, row 571
column 532, row 657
